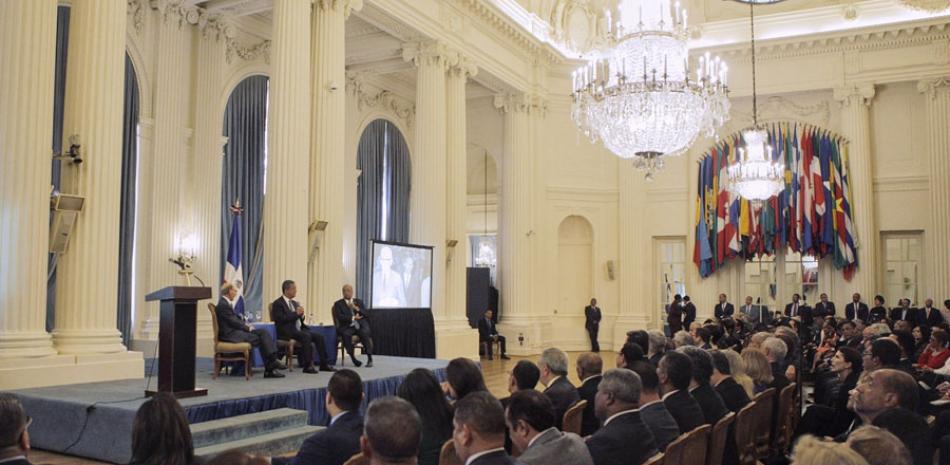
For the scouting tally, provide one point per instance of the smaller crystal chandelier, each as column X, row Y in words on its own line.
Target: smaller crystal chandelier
column 755, row 175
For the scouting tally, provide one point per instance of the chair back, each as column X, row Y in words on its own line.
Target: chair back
column 718, row 438
column 745, row 434
column 448, row 456
column 783, row 421
column 573, row 417
column 763, row 422
column 655, row 460
column 697, row 446
column 358, row 459
column 214, row 323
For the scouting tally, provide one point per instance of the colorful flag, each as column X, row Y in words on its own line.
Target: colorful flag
column 233, row 272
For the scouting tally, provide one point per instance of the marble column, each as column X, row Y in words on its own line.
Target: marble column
column 325, row 262
column 856, row 125
column 87, row 281
column 27, row 49
column 633, row 276
column 937, row 94
column 427, row 204
column 456, row 190
column 286, row 202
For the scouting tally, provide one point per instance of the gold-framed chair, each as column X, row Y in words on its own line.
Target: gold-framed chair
column 358, row 459
column 689, row 448
column 340, row 347
column 717, row 439
column 745, row 434
column 655, row 460
column 783, row 423
column 484, row 346
column 573, row 418
column 448, row 456
column 228, row 351
column 764, row 403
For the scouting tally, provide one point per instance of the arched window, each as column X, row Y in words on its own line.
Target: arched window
column 243, row 174
column 382, row 192
column 130, row 153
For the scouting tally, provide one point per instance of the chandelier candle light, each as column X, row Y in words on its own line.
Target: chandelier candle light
column 640, row 97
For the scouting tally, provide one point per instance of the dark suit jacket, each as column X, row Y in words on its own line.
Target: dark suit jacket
column 822, row 309
column 674, row 318
column 931, row 318
column 732, row 394
column 592, row 317
column 711, row 404
column 911, row 317
column 563, row 395
column 587, row 391
column 861, row 313
column 626, row 440
column 497, row 458
column 18, row 462
column 779, row 381
column 486, row 329
column 344, row 316
column 230, row 326
column 685, row 410
column 804, row 313
column 689, row 314
column 723, row 311
column 661, row 423
column 285, row 319
column 877, row 314
column 334, row 445
column 655, row 359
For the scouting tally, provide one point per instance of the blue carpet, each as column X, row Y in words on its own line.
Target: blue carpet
column 95, row 420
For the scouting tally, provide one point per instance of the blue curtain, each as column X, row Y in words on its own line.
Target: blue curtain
column 382, row 193
column 127, row 205
column 59, row 96
column 245, row 125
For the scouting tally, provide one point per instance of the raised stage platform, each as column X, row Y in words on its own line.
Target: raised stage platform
column 95, row 420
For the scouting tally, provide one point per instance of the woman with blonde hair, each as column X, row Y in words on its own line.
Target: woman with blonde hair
column 811, row 451
column 758, row 368
column 738, row 370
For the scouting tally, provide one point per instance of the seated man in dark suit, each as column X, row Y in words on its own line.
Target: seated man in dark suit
column 824, row 308
column 14, row 438
column 524, row 375
column 903, row 312
column 288, row 317
column 624, row 439
column 708, row 399
column 589, row 368
column 856, row 310
column 652, row 409
column 349, row 314
column 341, row 439
column 731, row 392
column 488, row 333
column 231, row 328
column 479, row 432
column 723, row 308
column 775, row 350
column 530, row 419
column 675, row 374
column 929, row 315
column 392, row 432
column 563, row 394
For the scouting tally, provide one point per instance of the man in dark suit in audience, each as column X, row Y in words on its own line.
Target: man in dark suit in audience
column 653, row 411
column 675, row 374
column 350, row 316
column 824, row 307
column 674, row 315
column 563, row 394
column 723, row 308
column 796, row 309
column 775, row 350
column 392, row 431
column 708, row 399
column 856, row 310
column 624, row 439
column 341, row 439
column 488, row 333
column 288, row 316
column 929, row 315
column 14, row 437
column 689, row 312
column 479, row 433
column 530, row 420
column 231, row 328
column 903, row 312
column 850, row 336
column 589, row 369
column 592, row 318
column 731, row 392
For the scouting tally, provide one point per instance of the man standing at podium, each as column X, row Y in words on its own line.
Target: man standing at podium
column 349, row 315
column 288, row 317
column 231, row 328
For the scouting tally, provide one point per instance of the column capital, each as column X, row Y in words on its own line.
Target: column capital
column 431, row 53
column 530, row 103
column 861, row 93
column 462, row 66
column 346, row 6
column 934, row 85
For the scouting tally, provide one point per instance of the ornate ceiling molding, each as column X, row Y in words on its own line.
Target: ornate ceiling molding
column 862, row 93
column 530, row 103
column 510, row 30
column 777, row 108
column 930, row 6
column 432, row 53
column 369, row 97
column 930, row 87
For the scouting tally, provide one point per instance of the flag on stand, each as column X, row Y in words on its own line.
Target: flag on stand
column 233, row 272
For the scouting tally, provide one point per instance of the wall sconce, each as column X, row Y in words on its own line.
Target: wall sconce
column 450, row 244
column 72, row 154
column 315, row 227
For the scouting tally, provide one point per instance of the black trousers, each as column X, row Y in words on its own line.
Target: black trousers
column 320, row 343
column 304, row 347
column 501, row 344
column 592, row 331
column 365, row 335
column 257, row 338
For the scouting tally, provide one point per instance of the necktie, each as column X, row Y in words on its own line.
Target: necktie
column 293, row 308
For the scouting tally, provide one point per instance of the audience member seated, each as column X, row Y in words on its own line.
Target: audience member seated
column 563, row 394
column 641, row 338
column 883, row 353
column 911, row 429
column 349, row 315
column 758, row 368
column 658, row 344
column 775, row 350
column 236, row 457
column 341, row 440
column 921, row 339
column 589, row 369
column 682, row 338
column 732, row 394
column 231, row 328
column 835, row 418
column 756, row 340
column 813, row 451
column 709, row 401
column 629, row 353
column 421, row 389
column 530, row 420
column 905, row 341
column 14, row 434
column 479, row 431
column 878, row 446
column 850, row 336
column 878, row 312
column 903, row 312
column 160, row 433
column 703, row 337
column 288, row 317
column 624, row 439
column 462, row 377
column 653, row 411
column 675, row 374
column 488, row 333
column 936, row 353
column 883, row 389
column 524, row 375
column 738, row 370
column 392, row 431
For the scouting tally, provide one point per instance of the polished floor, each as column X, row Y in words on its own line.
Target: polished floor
column 496, row 378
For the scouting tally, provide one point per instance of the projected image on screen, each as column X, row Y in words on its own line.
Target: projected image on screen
column 402, row 276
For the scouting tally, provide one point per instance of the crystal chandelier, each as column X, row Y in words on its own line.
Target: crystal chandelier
column 640, row 96
column 755, row 175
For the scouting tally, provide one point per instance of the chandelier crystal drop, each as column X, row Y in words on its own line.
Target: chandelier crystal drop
column 639, row 96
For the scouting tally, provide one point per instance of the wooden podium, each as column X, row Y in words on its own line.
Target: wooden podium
column 176, row 339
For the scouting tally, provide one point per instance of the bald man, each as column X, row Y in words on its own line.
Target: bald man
column 349, row 314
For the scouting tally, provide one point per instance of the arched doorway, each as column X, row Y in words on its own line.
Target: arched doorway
column 575, row 257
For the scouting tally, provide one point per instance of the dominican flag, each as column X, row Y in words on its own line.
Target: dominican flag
column 233, row 272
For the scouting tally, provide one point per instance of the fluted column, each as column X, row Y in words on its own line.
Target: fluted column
column 286, row 202
column 27, row 49
column 325, row 266
column 937, row 95
column 427, row 203
column 856, row 125
column 630, row 271
column 87, row 281
column 456, row 190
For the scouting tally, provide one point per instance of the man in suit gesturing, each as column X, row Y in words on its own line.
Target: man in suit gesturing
column 592, row 323
column 723, row 308
column 288, row 317
column 231, row 328
column 488, row 333
column 624, row 439
column 341, row 439
column 350, row 316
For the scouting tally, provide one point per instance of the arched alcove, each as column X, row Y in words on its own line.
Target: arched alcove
column 575, row 258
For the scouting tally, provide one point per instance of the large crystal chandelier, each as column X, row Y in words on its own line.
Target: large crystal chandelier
column 639, row 95
column 755, row 175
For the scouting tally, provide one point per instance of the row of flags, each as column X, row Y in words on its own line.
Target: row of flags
column 813, row 215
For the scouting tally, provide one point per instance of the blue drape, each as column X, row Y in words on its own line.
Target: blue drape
column 384, row 184
column 245, row 125
column 59, row 96
column 127, row 205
